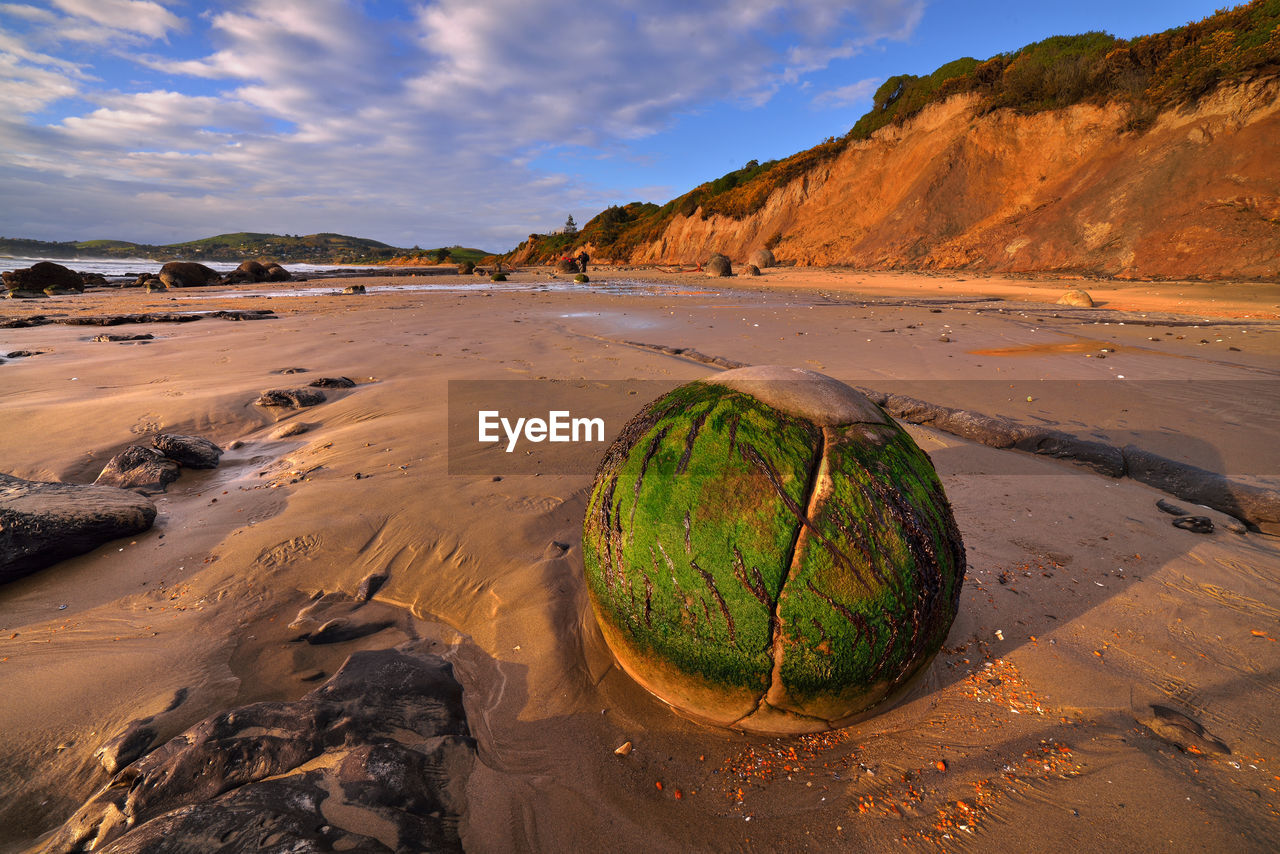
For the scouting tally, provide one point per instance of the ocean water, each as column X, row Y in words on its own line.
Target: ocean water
column 125, row 267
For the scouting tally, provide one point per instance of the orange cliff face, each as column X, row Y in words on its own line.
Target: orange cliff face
column 1197, row 195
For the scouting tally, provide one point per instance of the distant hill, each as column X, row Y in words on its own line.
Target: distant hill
column 324, row 248
column 1152, row 156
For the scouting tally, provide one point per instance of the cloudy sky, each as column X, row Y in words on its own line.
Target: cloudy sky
column 449, row 121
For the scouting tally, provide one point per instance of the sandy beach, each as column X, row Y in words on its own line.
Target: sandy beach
column 1110, row 680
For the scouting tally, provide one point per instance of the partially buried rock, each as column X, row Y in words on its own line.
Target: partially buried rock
column 1076, row 297
column 353, row 289
column 333, row 382
column 139, row 468
column 567, row 265
column 43, row 277
column 1194, row 524
column 375, row 759
column 295, row 398
column 110, row 336
column 194, row 452
column 762, row 258
column 293, row 428
column 753, row 270
column 718, row 265
column 765, row 549
column 188, row 274
column 43, row 523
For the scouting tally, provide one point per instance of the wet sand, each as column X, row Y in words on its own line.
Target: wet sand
column 1088, row 624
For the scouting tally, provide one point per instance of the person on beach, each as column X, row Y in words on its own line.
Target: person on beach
column 582, row 259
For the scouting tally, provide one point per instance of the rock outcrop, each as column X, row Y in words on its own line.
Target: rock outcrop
column 43, row 523
column 294, row 398
column 376, row 759
column 188, row 274
column 43, row 277
column 194, row 452
column 139, row 468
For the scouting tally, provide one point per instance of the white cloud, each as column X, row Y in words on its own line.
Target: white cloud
column 847, row 96
column 134, row 16
column 411, row 131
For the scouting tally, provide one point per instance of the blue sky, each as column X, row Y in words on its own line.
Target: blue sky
column 450, row 121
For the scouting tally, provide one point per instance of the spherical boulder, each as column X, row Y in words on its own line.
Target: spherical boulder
column 762, row 258
column 718, row 265
column 1076, row 297
column 766, row 550
column 188, row 274
column 466, row 268
column 567, row 265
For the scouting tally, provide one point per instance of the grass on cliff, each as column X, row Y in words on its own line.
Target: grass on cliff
column 1150, row 73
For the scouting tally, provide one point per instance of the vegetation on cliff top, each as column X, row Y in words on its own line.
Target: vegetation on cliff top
column 1149, row 73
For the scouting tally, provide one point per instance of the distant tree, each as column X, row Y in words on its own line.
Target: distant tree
column 570, row 227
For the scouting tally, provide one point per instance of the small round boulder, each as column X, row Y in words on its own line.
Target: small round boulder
column 767, row 550
column 1076, row 297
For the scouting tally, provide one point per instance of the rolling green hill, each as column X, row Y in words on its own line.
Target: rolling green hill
column 324, row 248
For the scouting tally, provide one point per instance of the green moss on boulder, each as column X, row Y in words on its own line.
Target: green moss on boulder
column 766, row 549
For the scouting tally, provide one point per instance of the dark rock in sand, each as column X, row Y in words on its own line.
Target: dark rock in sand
column 567, row 265
column 24, row 354
column 121, row 319
column 343, row 629
column 245, row 314
column 353, row 289
column 194, row 452
column 248, row 271
column 43, row 523
column 145, row 336
column 296, row 398
column 24, row 322
column 43, row 276
column 93, row 280
column 370, row 585
column 188, row 274
column 466, row 268
column 385, row 747
column 139, row 468
column 1170, row 508
column 1194, row 524
column 1256, row 505
column 762, row 258
column 126, row 747
column 1099, row 456
column 291, row 371
column 276, row 273
column 718, row 265
column 21, row 294
column 753, row 270
column 332, row 382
